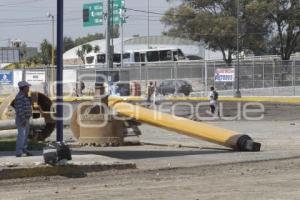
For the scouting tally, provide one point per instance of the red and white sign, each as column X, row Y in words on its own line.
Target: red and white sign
column 224, row 75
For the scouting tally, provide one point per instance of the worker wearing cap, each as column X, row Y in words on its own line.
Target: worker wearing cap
column 23, row 110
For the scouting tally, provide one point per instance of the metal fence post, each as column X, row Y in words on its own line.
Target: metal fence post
column 172, row 74
column 146, row 77
column 140, row 66
column 23, row 74
column 205, row 77
column 294, row 78
column 253, row 83
column 273, row 77
column 214, row 69
column 48, row 82
column 263, row 75
column 176, row 77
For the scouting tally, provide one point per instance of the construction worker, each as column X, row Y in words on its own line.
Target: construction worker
column 213, row 100
column 22, row 105
column 150, row 91
column 80, row 86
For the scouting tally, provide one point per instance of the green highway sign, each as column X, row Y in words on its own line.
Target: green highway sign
column 118, row 6
column 93, row 14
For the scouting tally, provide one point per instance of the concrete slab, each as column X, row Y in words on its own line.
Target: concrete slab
column 12, row 167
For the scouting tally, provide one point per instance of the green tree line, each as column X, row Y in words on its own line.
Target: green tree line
column 266, row 26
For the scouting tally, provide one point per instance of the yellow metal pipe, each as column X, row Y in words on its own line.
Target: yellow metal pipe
column 187, row 127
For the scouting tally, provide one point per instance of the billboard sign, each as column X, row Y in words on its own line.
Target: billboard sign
column 35, row 77
column 224, row 75
column 6, row 78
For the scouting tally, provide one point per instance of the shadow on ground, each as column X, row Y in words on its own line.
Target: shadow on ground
column 144, row 154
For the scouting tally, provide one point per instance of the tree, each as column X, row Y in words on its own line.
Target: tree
column 96, row 48
column 68, row 43
column 283, row 16
column 46, row 52
column 28, row 62
column 85, row 49
column 215, row 23
column 36, row 60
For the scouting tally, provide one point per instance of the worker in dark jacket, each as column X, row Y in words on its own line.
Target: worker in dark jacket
column 150, row 91
column 23, row 110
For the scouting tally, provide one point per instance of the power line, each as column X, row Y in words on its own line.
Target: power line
column 19, row 3
column 142, row 19
column 23, row 21
column 33, row 22
column 25, row 25
column 144, row 11
column 20, row 18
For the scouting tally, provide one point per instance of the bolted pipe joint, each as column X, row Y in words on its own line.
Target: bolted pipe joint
column 245, row 143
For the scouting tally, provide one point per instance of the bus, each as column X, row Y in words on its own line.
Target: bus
column 138, row 56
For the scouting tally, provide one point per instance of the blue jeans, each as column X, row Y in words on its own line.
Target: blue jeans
column 22, row 144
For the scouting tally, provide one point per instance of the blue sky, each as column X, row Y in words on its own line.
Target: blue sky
column 27, row 19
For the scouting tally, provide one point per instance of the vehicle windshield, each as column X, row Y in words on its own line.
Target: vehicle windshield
column 101, row 58
column 90, row 60
column 178, row 55
column 165, row 55
column 152, row 56
column 117, row 58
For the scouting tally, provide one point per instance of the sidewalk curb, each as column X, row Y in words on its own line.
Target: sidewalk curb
column 71, row 171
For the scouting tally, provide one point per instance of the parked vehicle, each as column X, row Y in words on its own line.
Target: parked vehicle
column 175, row 86
column 138, row 56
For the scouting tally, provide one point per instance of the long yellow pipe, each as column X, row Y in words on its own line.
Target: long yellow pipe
column 185, row 126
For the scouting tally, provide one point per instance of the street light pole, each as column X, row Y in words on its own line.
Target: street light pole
column 59, row 71
column 52, row 55
column 238, row 92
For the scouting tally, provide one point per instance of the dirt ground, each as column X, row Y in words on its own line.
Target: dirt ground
column 261, row 180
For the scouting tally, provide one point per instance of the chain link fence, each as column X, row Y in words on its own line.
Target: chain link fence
column 256, row 77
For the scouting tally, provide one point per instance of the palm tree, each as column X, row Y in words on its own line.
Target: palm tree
column 96, row 48
column 85, row 49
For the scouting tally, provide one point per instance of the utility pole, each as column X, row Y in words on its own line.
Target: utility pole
column 238, row 92
column 148, row 36
column 109, row 24
column 122, row 35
